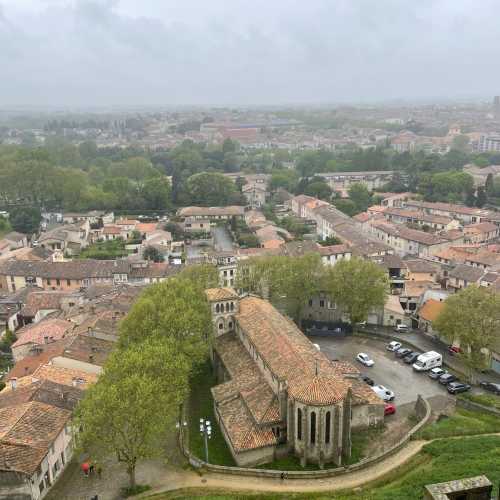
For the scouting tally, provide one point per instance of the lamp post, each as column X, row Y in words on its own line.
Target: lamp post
column 206, row 430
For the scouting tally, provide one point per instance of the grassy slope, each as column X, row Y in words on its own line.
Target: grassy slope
column 441, row 460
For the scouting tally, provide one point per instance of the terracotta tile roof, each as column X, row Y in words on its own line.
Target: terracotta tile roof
column 88, row 349
column 240, row 427
column 111, row 230
column 146, row 227
column 47, row 330
column 33, row 426
column 318, row 390
column 29, row 364
column 466, row 273
column 125, row 222
column 37, row 301
column 334, row 249
column 215, row 294
column 246, row 381
column 362, row 217
column 431, row 309
column 482, row 227
column 287, row 352
column 64, row 376
column 211, row 211
column 421, row 266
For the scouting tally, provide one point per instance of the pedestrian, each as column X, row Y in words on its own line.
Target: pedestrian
column 282, row 476
column 85, row 468
column 91, row 468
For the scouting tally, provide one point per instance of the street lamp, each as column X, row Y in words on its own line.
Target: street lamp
column 206, row 430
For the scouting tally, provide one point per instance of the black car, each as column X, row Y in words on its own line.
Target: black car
column 446, row 378
column 367, row 379
column 401, row 353
column 490, row 386
column 409, row 359
column 457, row 387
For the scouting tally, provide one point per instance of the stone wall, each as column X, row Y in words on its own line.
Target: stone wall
column 472, row 405
column 242, row 471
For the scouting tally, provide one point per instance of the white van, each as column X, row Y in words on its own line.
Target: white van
column 427, row 361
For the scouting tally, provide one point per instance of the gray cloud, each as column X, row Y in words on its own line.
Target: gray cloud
column 86, row 52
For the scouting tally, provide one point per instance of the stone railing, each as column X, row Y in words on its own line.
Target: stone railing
column 422, row 408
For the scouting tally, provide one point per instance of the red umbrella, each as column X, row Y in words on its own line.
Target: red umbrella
column 85, row 467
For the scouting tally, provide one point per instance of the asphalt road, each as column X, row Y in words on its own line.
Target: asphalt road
column 222, row 239
column 387, row 370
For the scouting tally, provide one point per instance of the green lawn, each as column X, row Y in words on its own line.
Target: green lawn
column 439, row 461
column 461, row 423
column 484, row 399
column 201, row 406
column 105, row 250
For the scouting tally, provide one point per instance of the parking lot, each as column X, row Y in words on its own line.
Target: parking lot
column 387, row 370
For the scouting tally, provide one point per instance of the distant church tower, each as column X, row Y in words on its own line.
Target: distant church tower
column 224, row 304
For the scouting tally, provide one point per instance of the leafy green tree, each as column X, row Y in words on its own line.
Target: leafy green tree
column 460, row 143
column 481, row 198
column 319, row 189
column 489, row 185
column 292, row 280
column 210, row 189
column 203, row 275
column 133, row 407
column 346, row 206
column 153, row 254
column 229, row 146
column 471, row 318
column 175, row 309
column 360, row 196
column 286, row 179
column 358, row 286
column 25, row 219
column 157, row 193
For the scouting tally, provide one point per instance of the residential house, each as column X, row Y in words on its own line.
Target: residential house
column 394, row 314
column 14, row 240
column 421, row 270
column 212, row 213
column 44, row 332
column 420, row 218
column 36, row 444
column 70, row 238
column 427, row 314
column 483, row 232
column 463, row 275
column 256, row 194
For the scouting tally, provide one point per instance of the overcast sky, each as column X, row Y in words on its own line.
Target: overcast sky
column 147, row 52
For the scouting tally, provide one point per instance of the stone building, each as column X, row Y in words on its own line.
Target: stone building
column 277, row 393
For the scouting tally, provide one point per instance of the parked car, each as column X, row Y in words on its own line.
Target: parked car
column 401, row 328
column 457, row 387
column 435, row 373
column 409, row 359
column 383, row 392
column 389, row 409
column 366, row 379
column 427, row 361
column 446, row 378
column 454, row 349
column 365, row 359
column 401, row 353
column 490, row 386
column 393, row 346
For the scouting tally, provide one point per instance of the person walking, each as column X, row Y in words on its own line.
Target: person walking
column 85, row 468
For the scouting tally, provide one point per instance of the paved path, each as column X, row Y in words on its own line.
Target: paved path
column 222, row 239
column 188, row 479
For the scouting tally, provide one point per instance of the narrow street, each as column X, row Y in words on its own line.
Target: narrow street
column 222, row 239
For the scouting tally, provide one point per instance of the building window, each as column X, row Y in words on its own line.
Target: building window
column 48, row 281
column 328, row 419
column 232, row 306
column 310, row 302
column 221, row 325
column 230, row 324
column 299, row 424
column 227, row 306
column 68, row 282
column 217, row 308
column 313, row 427
column 58, row 282
column 321, row 303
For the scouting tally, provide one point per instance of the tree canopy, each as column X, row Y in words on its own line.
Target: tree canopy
column 471, row 317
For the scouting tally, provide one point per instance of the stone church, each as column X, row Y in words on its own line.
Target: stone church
column 277, row 393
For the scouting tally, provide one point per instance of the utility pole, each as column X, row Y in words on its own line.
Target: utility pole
column 206, row 430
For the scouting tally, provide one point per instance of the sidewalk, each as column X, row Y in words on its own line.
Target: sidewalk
column 425, row 343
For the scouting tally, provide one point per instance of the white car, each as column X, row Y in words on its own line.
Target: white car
column 383, row 392
column 393, row 346
column 365, row 359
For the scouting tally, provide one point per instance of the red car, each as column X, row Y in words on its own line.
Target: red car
column 453, row 349
column 389, row 409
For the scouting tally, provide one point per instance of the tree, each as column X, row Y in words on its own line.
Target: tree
column 471, row 318
column 25, row 219
column 229, row 146
column 481, row 197
column 203, row 275
column 176, row 309
column 210, row 189
column 360, row 196
column 153, row 254
column 133, row 407
column 157, row 193
column 346, row 206
column 286, row 179
column 460, row 143
column 489, row 185
column 293, row 280
column 358, row 286
column 319, row 189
